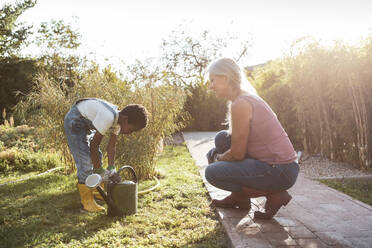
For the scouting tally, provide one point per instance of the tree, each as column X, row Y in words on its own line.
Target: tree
column 13, row 34
column 16, row 78
column 16, row 74
column 58, row 41
column 185, row 59
column 57, row 37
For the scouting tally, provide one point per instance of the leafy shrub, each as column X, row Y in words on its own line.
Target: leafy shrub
column 21, row 137
column 207, row 113
column 21, row 152
column 26, row 161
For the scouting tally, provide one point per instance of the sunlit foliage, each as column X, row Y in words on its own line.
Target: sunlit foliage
column 323, row 97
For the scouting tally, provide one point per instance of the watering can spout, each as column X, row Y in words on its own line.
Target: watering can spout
column 93, row 182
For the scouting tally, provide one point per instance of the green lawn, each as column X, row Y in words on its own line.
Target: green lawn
column 44, row 212
column 358, row 189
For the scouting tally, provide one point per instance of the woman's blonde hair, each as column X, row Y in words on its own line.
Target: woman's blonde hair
column 229, row 68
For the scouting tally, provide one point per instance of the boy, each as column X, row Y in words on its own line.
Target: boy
column 85, row 125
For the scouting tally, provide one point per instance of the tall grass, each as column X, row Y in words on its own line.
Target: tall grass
column 46, row 106
column 323, row 97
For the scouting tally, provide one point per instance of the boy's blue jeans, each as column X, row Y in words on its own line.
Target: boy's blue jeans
column 79, row 133
column 251, row 173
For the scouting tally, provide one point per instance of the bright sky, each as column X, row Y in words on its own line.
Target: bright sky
column 125, row 30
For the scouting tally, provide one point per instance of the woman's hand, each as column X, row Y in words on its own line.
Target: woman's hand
column 211, row 155
column 217, row 157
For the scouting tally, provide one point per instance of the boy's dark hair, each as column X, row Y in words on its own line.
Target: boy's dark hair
column 137, row 115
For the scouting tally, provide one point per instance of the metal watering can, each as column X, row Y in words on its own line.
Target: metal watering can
column 122, row 195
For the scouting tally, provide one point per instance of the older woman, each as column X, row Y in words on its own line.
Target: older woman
column 255, row 157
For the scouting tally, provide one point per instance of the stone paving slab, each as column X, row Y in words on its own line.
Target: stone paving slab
column 317, row 216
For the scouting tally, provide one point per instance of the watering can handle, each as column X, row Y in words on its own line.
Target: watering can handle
column 131, row 170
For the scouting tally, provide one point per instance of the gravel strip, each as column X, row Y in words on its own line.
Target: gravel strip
column 317, row 167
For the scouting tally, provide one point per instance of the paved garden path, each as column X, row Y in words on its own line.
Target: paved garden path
column 317, row 216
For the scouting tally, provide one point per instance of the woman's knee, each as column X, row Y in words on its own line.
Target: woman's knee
column 210, row 173
column 207, row 173
column 222, row 141
column 292, row 175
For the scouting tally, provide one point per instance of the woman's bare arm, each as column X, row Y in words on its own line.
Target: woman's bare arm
column 241, row 115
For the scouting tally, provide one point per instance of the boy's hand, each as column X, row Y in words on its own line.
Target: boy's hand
column 111, row 169
column 105, row 174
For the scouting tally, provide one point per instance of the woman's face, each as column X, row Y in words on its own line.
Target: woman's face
column 220, row 85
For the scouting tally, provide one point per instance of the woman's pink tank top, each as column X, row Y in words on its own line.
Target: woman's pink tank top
column 267, row 140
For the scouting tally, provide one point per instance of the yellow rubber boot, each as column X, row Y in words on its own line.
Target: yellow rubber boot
column 87, row 199
column 96, row 194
